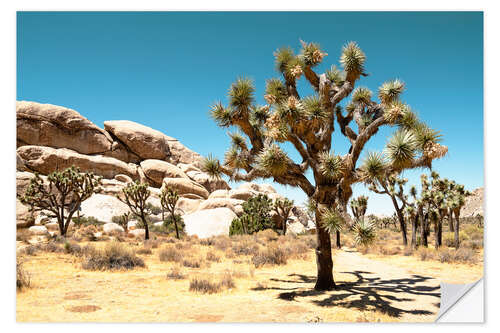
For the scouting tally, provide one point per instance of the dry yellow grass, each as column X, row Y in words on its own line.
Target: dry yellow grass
column 369, row 290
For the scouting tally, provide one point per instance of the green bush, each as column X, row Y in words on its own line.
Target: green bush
column 86, row 220
column 256, row 216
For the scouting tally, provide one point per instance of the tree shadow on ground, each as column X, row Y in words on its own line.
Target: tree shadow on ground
column 366, row 293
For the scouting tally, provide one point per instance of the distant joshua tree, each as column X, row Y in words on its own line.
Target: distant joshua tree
column 135, row 195
column 61, row 194
column 359, row 206
column 168, row 199
column 308, row 124
column 283, row 208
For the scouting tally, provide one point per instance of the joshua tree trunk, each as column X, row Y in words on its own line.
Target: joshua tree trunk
column 436, row 233
column 146, row 228
column 451, row 222
column 423, row 228
column 323, row 258
column 414, row 222
column 401, row 219
column 176, row 228
column 284, row 227
column 440, row 233
column 338, row 239
column 457, row 230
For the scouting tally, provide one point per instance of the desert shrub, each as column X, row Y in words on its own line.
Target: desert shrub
column 206, row 241
column 52, row 247
column 169, row 224
column 407, row 251
column 310, row 241
column 222, row 242
column 192, row 262
column 72, row 248
column 155, row 210
column 473, row 244
column 272, row 255
column 212, row 256
column 465, row 255
column 445, row 255
column 146, row 249
column 425, row 254
column 269, row 235
column 229, row 254
column 389, row 251
column 295, row 249
column 245, row 247
column 175, row 274
column 23, row 235
column 30, row 250
column 23, row 278
column 86, row 232
column 204, row 286
column 152, row 243
column 86, row 221
column 113, row 256
column 170, row 253
column 183, row 245
column 207, row 286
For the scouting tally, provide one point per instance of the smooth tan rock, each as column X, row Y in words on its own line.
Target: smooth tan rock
column 210, row 222
column 123, row 178
column 103, row 207
column 20, row 164
column 52, row 226
column 38, row 230
column 59, row 127
column 23, row 216
column 242, row 194
column 185, row 186
column 208, row 182
column 156, row 170
column 218, row 203
column 181, row 154
column 219, row 194
column 46, row 160
column 110, row 228
column 22, row 181
column 187, row 205
column 141, row 140
column 187, row 167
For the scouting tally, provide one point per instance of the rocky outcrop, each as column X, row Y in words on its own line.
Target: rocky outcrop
column 474, row 204
column 210, row 222
column 46, row 160
column 208, row 182
column 111, row 228
column 156, row 170
column 59, row 127
column 185, row 187
column 103, row 207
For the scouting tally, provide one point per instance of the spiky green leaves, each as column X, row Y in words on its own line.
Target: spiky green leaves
column 365, row 120
column 259, row 114
column 235, row 159
column 275, row 91
column 221, row 115
column 331, row 221
column 330, row 165
column 390, row 91
column 353, row 60
column 290, row 110
column 362, row 95
column 335, row 75
column 288, row 63
column 211, row 166
column 394, row 111
column 311, row 53
column 401, row 149
column 312, row 108
column 408, row 120
column 237, row 140
column 273, row 160
column 425, row 135
column 241, row 95
column 374, row 167
column 364, row 232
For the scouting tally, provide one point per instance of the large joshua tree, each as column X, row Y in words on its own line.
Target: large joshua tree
column 308, row 124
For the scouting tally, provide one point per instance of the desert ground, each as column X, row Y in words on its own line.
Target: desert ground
column 386, row 282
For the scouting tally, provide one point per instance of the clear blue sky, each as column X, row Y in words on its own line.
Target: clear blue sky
column 164, row 70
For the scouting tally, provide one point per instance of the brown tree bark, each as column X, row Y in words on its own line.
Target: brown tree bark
column 338, row 239
column 414, row 222
column 451, row 222
column 457, row 230
column 423, row 227
column 324, row 261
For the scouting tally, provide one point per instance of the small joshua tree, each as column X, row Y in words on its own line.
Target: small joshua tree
column 283, row 208
column 169, row 199
column 135, row 195
column 61, row 195
column 456, row 200
column 308, row 124
column 359, row 206
column 364, row 233
column 122, row 220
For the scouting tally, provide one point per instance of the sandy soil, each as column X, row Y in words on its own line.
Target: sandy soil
column 368, row 290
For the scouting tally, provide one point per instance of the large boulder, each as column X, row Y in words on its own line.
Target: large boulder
column 59, row 127
column 23, row 180
column 210, row 222
column 46, row 160
column 261, row 188
column 142, row 140
column 219, row 194
column 23, row 216
column 187, row 205
column 220, row 202
column 182, row 154
column 185, row 186
column 111, row 228
column 208, row 182
column 156, row 170
column 38, row 230
column 103, row 207
column 242, row 194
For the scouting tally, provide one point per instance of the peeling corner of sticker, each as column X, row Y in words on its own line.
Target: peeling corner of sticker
column 451, row 294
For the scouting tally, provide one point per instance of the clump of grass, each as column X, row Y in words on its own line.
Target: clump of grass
column 30, row 250
column 114, row 256
column 152, row 243
column 212, row 256
column 183, row 245
column 222, row 242
column 86, row 233
column 407, row 251
column 229, row 254
column 192, row 262
column 296, row 249
column 170, row 253
column 425, row 254
column 267, row 235
column 245, row 247
column 145, row 249
column 207, row 286
column 272, row 255
column 23, row 278
column 461, row 255
column 72, row 248
column 175, row 273
column 310, row 241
